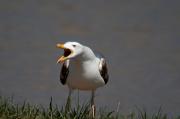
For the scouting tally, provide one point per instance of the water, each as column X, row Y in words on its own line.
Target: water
column 140, row 40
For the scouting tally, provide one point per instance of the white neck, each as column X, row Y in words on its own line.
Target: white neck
column 86, row 55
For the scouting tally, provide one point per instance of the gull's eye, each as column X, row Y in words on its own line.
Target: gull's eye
column 74, row 45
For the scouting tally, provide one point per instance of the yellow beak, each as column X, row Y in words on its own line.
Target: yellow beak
column 60, row 46
column 62, row 58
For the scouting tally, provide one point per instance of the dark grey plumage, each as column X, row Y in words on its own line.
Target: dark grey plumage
column 102, row 66
column 64, row 72
column 103, row 70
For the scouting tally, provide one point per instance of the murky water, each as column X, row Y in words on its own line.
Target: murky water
column 140, row 40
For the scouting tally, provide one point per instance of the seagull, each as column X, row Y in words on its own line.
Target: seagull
column 82, row 69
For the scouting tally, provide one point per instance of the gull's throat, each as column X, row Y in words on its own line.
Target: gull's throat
column 67, row 52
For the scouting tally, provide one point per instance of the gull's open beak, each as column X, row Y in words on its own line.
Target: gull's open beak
column 62, row 58
column 67, row 52
column 60, row 46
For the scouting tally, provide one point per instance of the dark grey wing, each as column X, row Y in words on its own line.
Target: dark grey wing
column 103, row 70
column 64, row 72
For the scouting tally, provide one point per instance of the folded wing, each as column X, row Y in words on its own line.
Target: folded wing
column 64, row 72
column 103, row 70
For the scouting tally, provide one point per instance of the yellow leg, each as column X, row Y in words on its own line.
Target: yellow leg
column 68, row 102
column 93, row 108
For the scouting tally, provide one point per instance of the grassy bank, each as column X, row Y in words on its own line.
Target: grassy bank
column 11, row 110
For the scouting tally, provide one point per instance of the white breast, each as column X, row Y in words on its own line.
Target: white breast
column 85, row 75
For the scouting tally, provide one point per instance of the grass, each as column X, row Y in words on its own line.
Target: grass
column 10, row 110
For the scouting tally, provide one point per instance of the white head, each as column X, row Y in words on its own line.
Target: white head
column 71, row 50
